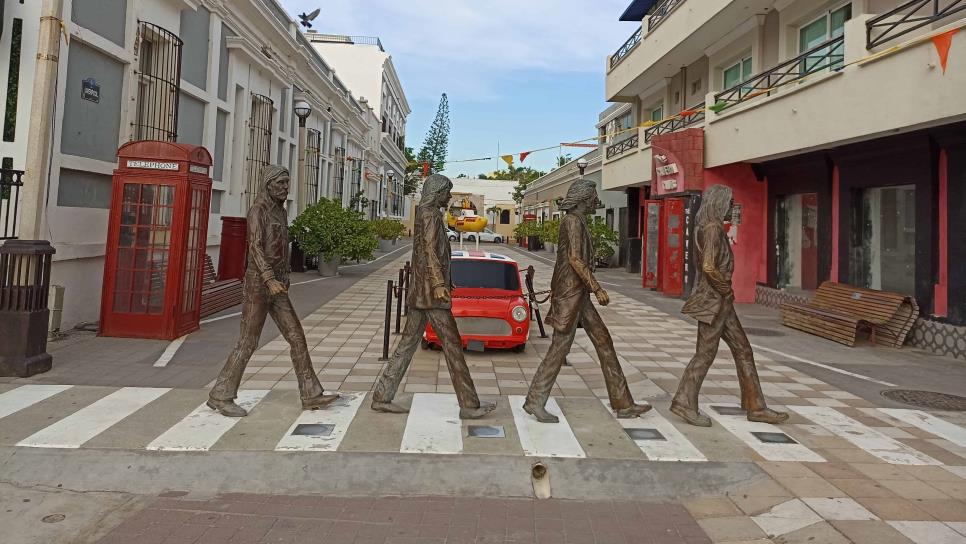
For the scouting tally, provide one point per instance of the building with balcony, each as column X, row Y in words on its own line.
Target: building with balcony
column 836, row 124
column 212, row 73
column 369, row 72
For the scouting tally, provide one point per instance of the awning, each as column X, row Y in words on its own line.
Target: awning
column 637, row 10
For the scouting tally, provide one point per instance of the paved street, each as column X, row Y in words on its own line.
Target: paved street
column 849, row 466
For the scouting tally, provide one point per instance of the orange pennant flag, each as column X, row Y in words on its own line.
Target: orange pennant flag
column 524, row 155
column 943, row 43
column 508, row 159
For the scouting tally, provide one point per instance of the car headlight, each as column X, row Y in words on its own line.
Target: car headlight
column 519, row 313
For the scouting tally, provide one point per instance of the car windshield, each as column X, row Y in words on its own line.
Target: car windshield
column 485, row 275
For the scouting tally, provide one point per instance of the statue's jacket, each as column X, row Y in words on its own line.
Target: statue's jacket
column 431, row 260
column 570, row 290
column 717, row 265
column 268, row 250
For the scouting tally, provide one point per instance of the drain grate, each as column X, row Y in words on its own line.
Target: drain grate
column 753, row 331
column 927, row 399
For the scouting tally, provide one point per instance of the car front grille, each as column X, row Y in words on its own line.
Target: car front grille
column 483, row 325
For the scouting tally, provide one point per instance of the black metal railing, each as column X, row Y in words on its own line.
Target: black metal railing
column 259, row 142
column 676, row 123
column 907, row 18
column 826, row 56
column 623, row 146
column 660, row 12
column 10, row 183
column 159, row 83
column 628, row 46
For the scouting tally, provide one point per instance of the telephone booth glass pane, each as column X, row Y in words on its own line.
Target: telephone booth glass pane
column 194, row 248
column 143, row 245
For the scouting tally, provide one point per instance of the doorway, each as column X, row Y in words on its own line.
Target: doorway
column 796, row 238
column 884, row 248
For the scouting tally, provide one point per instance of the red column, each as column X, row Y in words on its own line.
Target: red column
column 231, row 255
column 941, row 294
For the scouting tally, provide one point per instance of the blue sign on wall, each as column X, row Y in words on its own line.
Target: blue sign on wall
column 90, row 90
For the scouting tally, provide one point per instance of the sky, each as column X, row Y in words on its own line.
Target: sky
column 519, row 74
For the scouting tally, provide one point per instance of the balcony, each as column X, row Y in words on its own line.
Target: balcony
column 840, row 91
column 627, row 163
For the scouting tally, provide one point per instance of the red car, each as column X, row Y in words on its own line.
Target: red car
column 502, row 322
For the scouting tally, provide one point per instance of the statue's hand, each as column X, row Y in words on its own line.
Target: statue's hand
column 275, row 287
column 602, row 297
column 441, row 294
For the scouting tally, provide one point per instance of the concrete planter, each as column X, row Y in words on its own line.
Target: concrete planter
column 386, row 246
column 329, row 268
column 552, row 248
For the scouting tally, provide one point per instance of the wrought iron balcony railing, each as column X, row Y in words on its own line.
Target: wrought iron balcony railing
column 676, row 123
column 628, row 46
column 908, row 17
column 823, row 57
column 10, row 183
column 660, row 12
column 623, row 146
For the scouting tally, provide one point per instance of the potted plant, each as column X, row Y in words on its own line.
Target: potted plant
column 604, row 239
column 528, row 233
column 388, row 231
column 549, row 231
column 333, row 233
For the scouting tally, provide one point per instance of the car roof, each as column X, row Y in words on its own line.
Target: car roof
column 481, row 255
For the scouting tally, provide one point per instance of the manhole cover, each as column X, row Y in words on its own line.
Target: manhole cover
column 728, row 410
column 53, row 518
column 927, row 399
column 485, row 431
column 313, row 429
column 774, row 438
column 752, row 331
column 644, row 434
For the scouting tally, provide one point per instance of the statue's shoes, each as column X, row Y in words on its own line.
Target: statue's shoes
column 768, row 416
column 226, row 408
column 476, row 413
column 388, row 407
column 634, row 410
column 320, row 401
column 694, row 417
column 539, row 412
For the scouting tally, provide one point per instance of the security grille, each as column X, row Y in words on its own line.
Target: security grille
column 159, row 83
column 313, row 148
column 259, row 142
column 339, row 177
column 483, row 325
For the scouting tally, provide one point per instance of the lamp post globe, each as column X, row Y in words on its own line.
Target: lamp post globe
column 582, row 165
column 302, row 110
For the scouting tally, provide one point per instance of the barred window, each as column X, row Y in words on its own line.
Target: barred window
column 158, row 76
column 339, row 177
column 259, row 142
column 313, row 148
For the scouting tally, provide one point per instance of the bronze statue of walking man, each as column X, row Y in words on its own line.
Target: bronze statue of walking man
column 429, row 300
column 572, row 282
column 712, row 304
column 267, row 271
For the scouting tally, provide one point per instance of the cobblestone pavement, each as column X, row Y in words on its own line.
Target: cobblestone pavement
column 844, row 468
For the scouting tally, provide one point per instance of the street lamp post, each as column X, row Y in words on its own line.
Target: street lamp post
column 302, row 110
column 582, row 165
column 390, row 181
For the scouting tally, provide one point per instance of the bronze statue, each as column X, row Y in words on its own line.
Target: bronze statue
column 267, row 271
column 712, row 304
column 572, row 282
column 429, row 300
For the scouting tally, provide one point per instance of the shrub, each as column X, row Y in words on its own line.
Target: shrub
column 333, row 232
column 604, row 237
column 388, row 229
column 549, row 231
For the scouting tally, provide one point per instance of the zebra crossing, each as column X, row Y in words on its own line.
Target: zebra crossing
column 47, row 416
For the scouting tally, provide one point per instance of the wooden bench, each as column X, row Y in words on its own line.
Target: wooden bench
column 841, row 312
column 218, row 295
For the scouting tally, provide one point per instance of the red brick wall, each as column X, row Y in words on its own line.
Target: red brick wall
column 686, row 149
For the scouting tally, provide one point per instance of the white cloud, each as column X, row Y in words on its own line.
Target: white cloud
column 470, row 47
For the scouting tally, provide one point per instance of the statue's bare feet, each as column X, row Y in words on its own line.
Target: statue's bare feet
column 540, row 412
column 320, row 401
column 694, row 417
column 634, row 410
column 227, row 408
column 768, row 416
column 476, row 413
column 389, row 408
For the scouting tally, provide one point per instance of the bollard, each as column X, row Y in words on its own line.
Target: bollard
column 534, row 305
column 385, row 335
column 399, row 296
column 409, row 276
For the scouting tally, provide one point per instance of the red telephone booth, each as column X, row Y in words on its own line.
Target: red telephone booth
column 156, row 240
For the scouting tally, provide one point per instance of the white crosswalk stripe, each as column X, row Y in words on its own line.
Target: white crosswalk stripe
column 739, row 426
column 203, row 427
column 930, row 424
column 545, row 439
column 334, row 419
column 433, row 425
column 92, row 420
column 872, row 441
column 673, row 447
column 27, row 395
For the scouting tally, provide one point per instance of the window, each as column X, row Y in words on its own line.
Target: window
column 829, row 26
column 339, row 177
column 657, row 113
column 259, row 142
column 504, row 217
column 485, row 275
column 884, row 242
column 737, row 73
column 313, row 151
column 159, row 83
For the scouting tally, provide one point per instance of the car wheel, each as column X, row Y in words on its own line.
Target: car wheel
column 471, row 238
column 452, row 238
column 520, row 349
column 424, row 344
column 498, row 240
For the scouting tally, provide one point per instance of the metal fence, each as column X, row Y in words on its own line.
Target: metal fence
column 628, row 46
column 909, row 17
column 676, row 123
column 660, row 12
column 623, row 146
column 159, row 83
column 10, row 183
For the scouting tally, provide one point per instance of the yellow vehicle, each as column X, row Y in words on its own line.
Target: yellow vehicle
column 462, row 217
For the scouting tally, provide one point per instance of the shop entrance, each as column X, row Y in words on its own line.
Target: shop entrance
column 797, row 240
column 884, row 244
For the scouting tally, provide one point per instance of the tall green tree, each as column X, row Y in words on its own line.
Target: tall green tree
column 411, row 180
column 436, row 144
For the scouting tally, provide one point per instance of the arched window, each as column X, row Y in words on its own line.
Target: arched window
column 504, row 217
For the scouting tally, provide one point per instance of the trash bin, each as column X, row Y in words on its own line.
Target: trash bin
column 24, row 316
